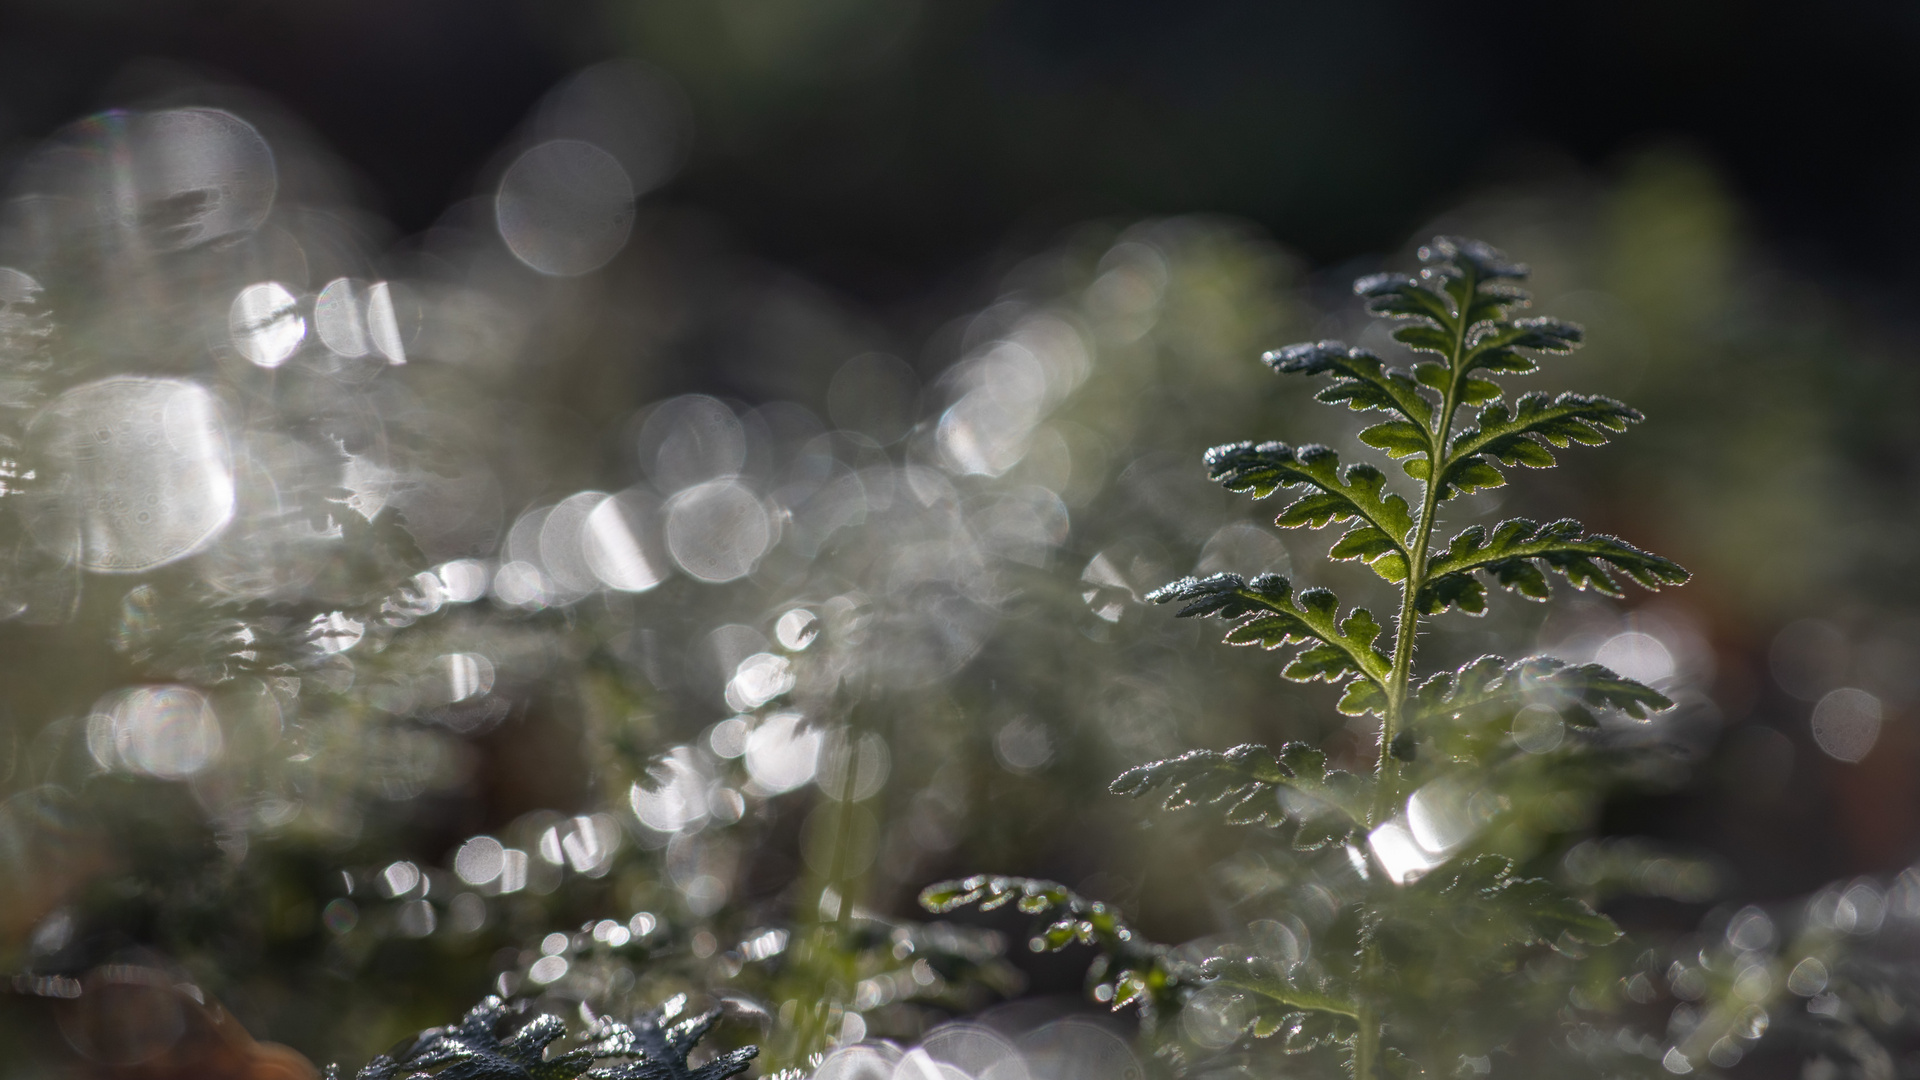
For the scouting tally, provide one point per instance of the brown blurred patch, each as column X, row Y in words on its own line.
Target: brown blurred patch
column 133, row 1022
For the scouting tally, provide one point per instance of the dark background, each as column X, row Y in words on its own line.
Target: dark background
column 880, row 146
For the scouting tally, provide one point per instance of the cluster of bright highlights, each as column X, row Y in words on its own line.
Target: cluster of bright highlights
column 267, row 327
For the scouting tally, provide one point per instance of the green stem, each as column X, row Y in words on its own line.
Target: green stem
column 1386, row 773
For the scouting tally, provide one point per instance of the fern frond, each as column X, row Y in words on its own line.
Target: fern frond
column 1360, row 379
column 1529, row 433
column 1382, row 518
column 1454, row 430
column 1517, row 550
column 1360, row 496
column 1337, row 650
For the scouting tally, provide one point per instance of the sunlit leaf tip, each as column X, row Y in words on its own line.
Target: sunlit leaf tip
column 1451, row 254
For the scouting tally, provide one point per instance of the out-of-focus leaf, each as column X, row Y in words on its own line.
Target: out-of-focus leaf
column 1130, row 971
column 1490, row 689
column 1252, row 785
column 1277, row 992
column 1513, row 910
column 659, row 1051
column 486, row 1045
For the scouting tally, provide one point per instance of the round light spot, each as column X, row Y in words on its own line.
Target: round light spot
column 1538, row 729
column 562, row 543
column 1808, row 977
column 383, row 323
column 621, row 545
column 140, row 474
column 1079, row 1048
column 458, row 677
column 466, row 913
column 340, row 915
column 265, row 324
column 565, row 208
column 1846, row 723
column 862, row 1062
column 1244, row 548
column 728, row 738
column 399, row 879
column 464, row 580
column 547, row 969
column 198, row 175
column 780, row 756
column 337, row 319
column 973, row 1050
column 850, row 769
column 759, row 679
column 480, row 860
column 415, row 919
column 717, row 531
column 689, row 440
column 1022, row 745
column 1638, row 656
column 796, row 629
column 165, row 731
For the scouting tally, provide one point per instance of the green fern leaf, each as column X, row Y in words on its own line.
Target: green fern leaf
column 1397, row 296
column 1537, row 423
column 1426, row 339
column 1515, row 554
column 1360, row 379
column 1336, row 649
column 1399, row 438
column 1358, row 495
column 1492, row 347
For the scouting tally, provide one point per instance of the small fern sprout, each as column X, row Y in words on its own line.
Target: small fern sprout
column 1400, row 931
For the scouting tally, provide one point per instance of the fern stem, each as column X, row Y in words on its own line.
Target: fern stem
column 1386, row 772
column 1386, row 791
column 1366, row 1044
